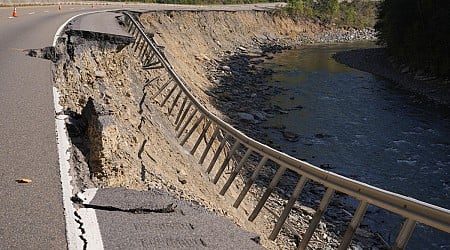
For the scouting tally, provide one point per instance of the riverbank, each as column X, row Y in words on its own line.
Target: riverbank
column 377, row 62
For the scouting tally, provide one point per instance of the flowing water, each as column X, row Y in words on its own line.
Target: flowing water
column 360, row 126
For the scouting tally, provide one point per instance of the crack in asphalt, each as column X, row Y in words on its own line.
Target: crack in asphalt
column 139, row 210
column 79, row 221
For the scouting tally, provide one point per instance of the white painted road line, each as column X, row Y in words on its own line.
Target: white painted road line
column 73, row 239
column 88, row 217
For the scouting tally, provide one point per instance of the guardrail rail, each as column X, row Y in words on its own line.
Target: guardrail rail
column 191, row 113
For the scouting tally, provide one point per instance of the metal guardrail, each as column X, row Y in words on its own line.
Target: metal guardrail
column 412, row 210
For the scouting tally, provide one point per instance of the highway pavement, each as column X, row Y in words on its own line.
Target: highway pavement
column 31, row 214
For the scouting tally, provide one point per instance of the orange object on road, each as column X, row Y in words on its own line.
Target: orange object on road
column 14, row 14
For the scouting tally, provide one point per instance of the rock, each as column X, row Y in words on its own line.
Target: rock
column 243, row 49
column 246, row 117
column 182, row 179
column 297, row 107
column 226, row 68
column 305, row 209
column 259, row 115
column 290, row 136
column 364, row 233
column 321, row 136
column 202, row 57
column 100, row 74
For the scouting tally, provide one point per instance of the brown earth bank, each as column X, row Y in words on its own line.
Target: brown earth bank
column 378, row 62
column 122, row 138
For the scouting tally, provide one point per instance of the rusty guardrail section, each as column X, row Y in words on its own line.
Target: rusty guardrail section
column 191, row 113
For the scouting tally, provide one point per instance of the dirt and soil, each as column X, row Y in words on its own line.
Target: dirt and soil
column 122, row 138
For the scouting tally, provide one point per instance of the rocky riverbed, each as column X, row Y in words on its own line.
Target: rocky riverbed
column 242, row 94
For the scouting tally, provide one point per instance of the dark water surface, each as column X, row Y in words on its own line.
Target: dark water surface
column 358, row 125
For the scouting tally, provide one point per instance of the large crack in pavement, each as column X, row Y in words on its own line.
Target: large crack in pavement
column 170, row 208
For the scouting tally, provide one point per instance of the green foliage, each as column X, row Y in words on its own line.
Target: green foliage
column 357, row 14
column 418, row 32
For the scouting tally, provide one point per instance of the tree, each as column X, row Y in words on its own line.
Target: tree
column 417, row 32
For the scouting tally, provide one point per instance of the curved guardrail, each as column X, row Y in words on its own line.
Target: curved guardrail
column 414, row 211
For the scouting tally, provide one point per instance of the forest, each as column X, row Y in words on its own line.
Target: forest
column 417, row 32
column 356, row 14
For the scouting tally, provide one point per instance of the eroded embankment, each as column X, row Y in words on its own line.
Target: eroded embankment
column 120, row 134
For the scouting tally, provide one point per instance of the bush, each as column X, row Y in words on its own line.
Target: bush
column 357, row 14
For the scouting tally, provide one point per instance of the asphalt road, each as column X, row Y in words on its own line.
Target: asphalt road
column 31, row 215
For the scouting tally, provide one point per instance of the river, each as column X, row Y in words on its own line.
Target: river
column 361, row 126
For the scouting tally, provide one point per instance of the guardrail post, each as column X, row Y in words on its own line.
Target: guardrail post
column 216, row 155
column 168, row 95
column 174, row 102
column 287, row 209
column 404, row 235
column 143, row 51
column 208, row 146
column 182, row 128
column 181, row 110
column 235, row 172
column 267, row 193
column 148, row 59
column 162, row 88
column 250, row 182
column 316, row 218
column 354, row 224
column 199, row 139
column 194, row 127
column 226, row 161
column 137, row 42
column 186, row 111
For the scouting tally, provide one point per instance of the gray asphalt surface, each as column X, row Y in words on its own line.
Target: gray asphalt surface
column 31, row 214
column 141, row 220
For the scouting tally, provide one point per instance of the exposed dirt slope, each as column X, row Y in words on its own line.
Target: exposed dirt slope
column 121, row 136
